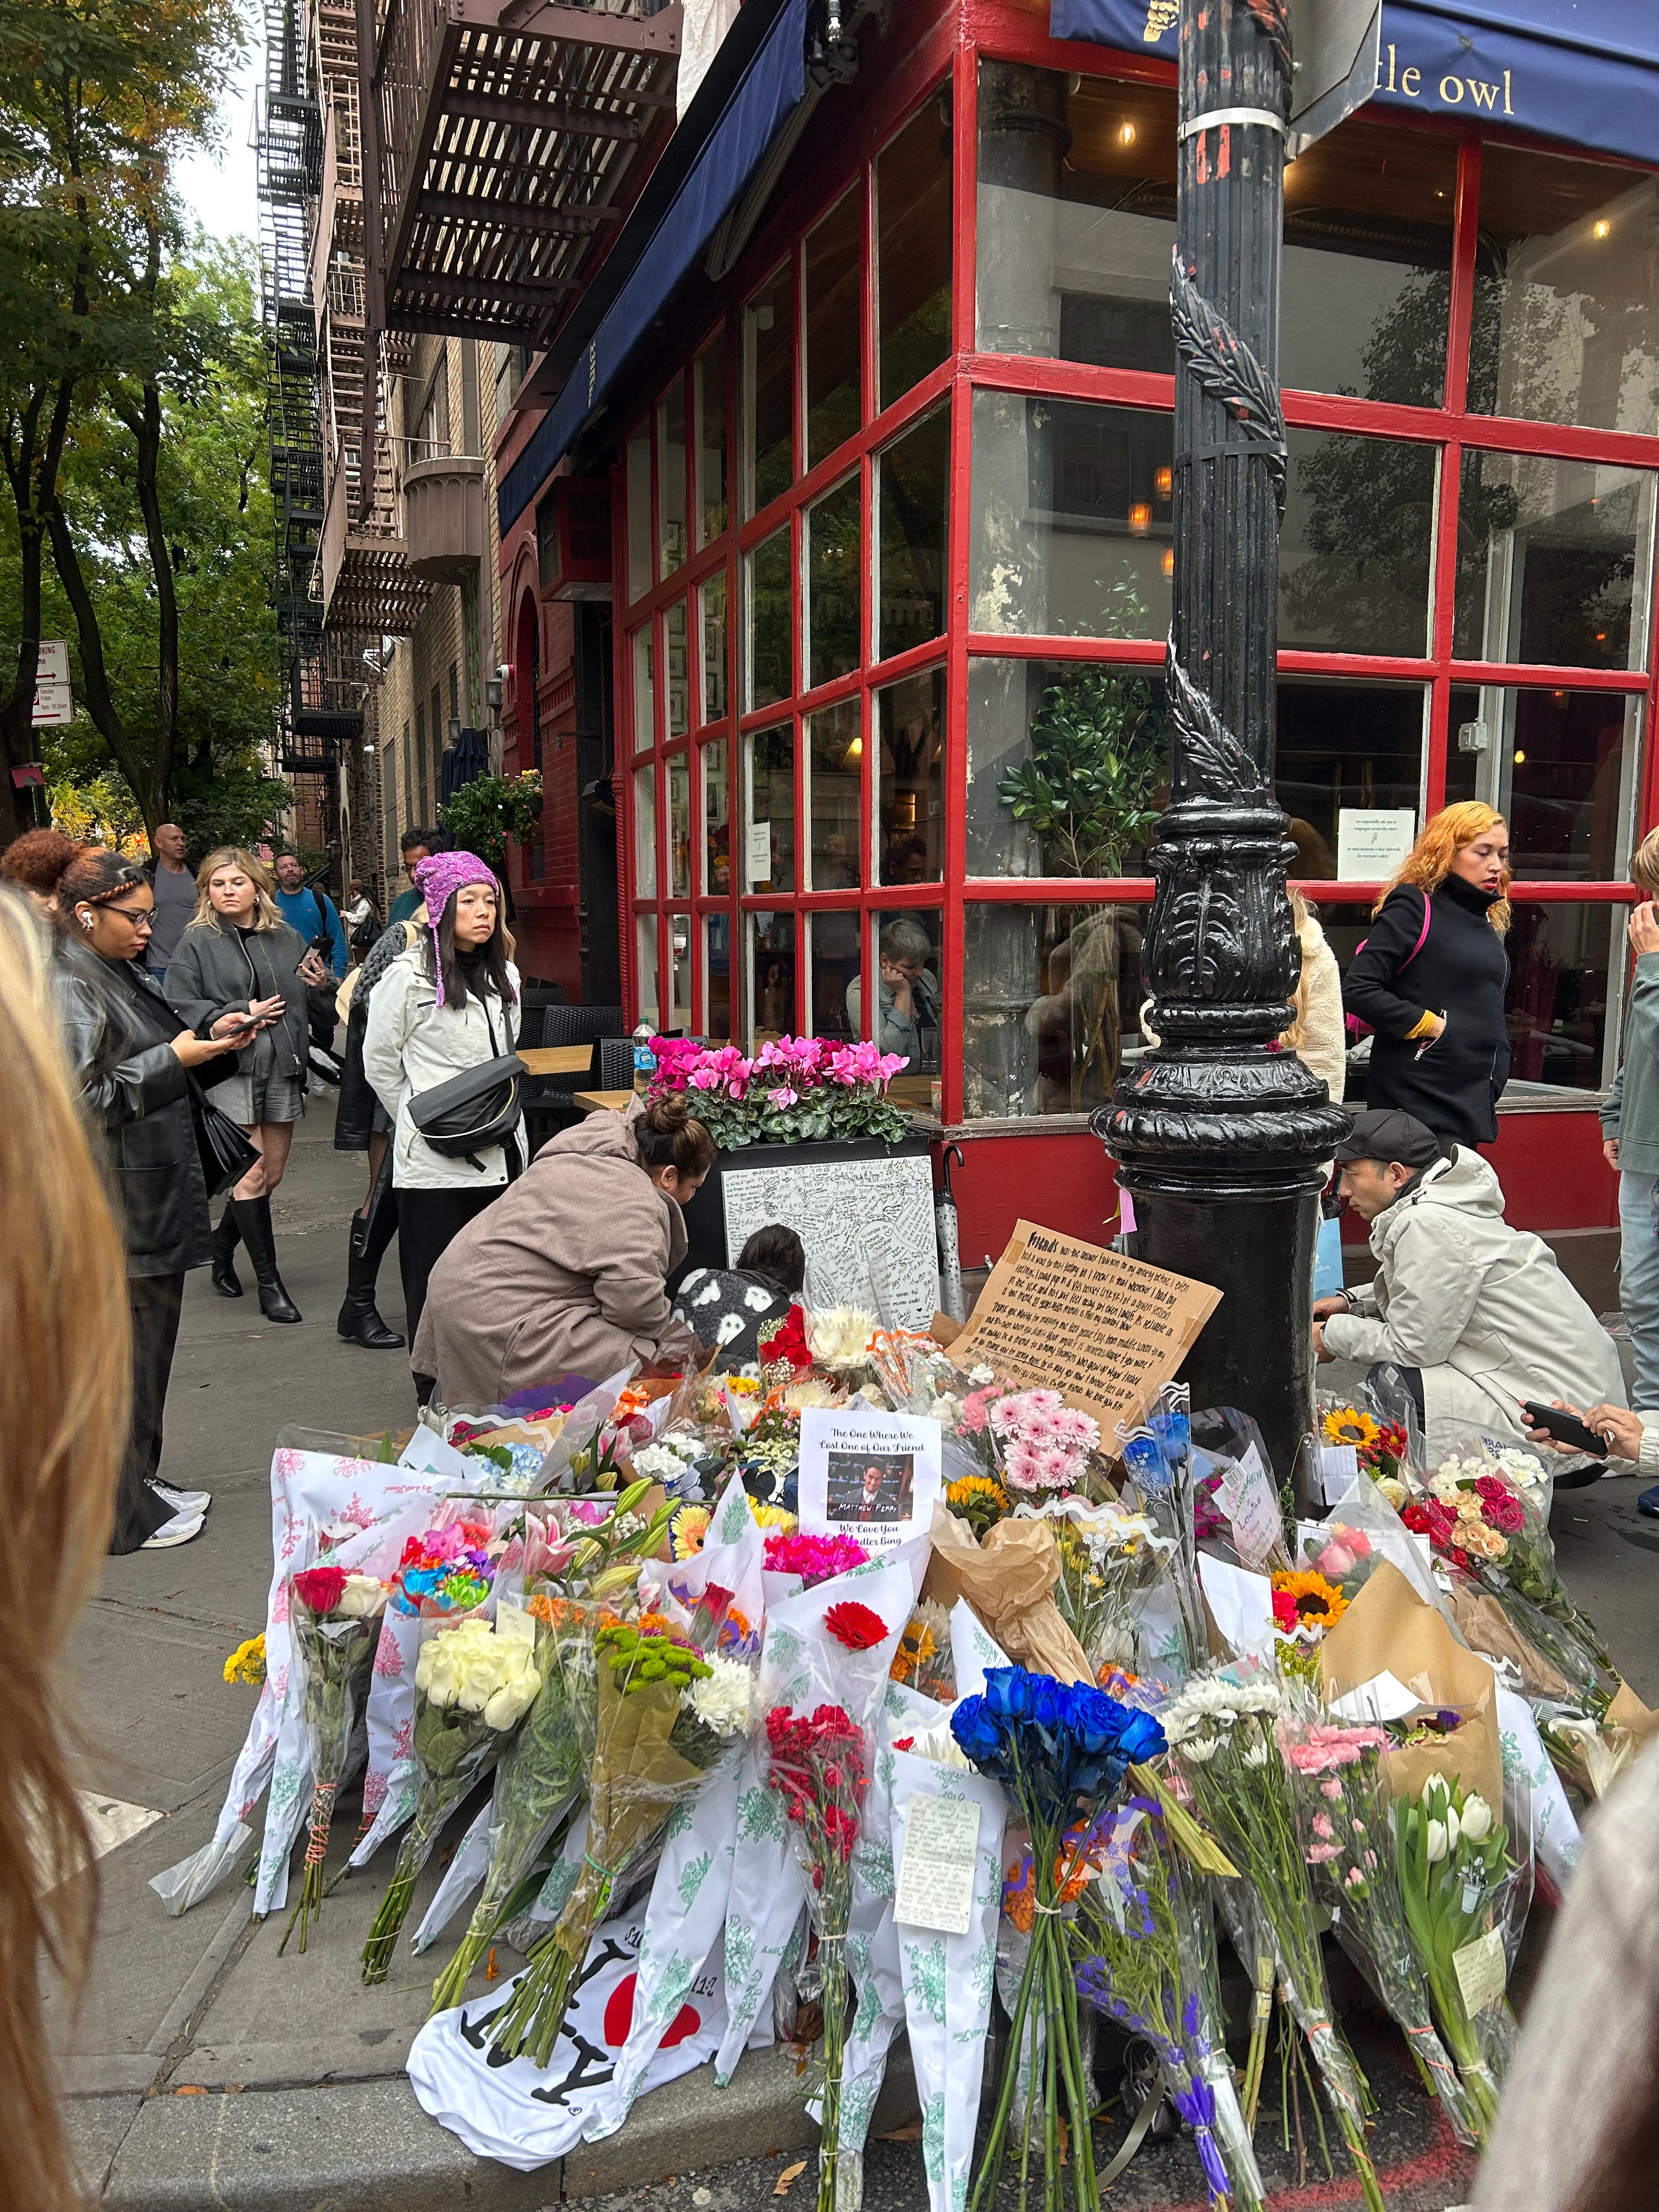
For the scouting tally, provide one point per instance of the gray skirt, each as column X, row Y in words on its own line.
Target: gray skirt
column 261, row 1091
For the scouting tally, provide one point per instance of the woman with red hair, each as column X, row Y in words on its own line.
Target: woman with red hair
column 1430, row 978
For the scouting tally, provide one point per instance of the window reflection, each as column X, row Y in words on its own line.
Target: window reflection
column 912, row 489
column 771, row 976
column 679, row 827
column 644, row 833
column 835, row 348
column 834, row 570
column 912, row 787
column 1561, row 955
column 679, row 973
column 717, row 977
column 1566, row 320
column 1344, row 746
column 716, row 822
column 1071, row 507
column 1355, row 550
column 1553, row 559
column 678, row 699
column 769, row 827
column 670, row 477
column 713, row 597
column 645, row 663
column 638, row 512
column 913, row 252
column 708, row 391
column 769, row 608
column 768, row 393
column 1560, row 766
column 1068, row 766
column 1052, row 998
column 835, row 751
column 832, row 942
column 644, row 946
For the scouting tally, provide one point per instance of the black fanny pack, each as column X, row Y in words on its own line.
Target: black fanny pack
column 475, row 1110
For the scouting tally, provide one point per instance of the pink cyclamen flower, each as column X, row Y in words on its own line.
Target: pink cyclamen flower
column 782, row 1097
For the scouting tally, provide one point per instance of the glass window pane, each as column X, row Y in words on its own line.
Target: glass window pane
column 835, row 757
column 1070, row 518
column 1368, row 249
column 834, row 570
column 771, row 976
column 713, row 598
column 645, row 940
column 912, row 247
column 1052, row 997
column 708, row 388
column 905, row 956
column 1553, row 560
column 768, row 394
column 1564, row 958
column 670, row 477
column 679, row 975
column 679, row 698
column 769, row 815
column 644, row 833
column 911, row 829
column 767, row 598
column 1345, row 746
column 716, row 822
column 1561, row 767
column 1566, row 314
column 639, row 569
column 1068, row 768
column 1077, row 196
column 645, row 724
column 835, row 351
column 832, row 951
column 717, row 977
column 679, row 826
column 913, row 495
column 1356, row 551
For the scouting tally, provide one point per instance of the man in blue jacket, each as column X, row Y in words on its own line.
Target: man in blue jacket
column 310, row 912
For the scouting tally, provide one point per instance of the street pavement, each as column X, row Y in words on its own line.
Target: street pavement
column 203, row 2072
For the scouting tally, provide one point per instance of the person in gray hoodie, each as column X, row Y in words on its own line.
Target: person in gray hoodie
column 1477, row 1316
column 1630, row 1133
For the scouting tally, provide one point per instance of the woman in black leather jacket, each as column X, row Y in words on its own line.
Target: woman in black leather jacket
column 131, row 1055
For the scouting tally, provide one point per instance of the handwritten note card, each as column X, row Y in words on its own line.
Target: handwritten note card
column 935, row 1884
column 1105, row 1331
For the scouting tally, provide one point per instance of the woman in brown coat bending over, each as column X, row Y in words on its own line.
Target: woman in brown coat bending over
column 566, row 1272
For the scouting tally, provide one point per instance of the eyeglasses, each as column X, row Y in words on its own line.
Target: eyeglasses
column 139, row 916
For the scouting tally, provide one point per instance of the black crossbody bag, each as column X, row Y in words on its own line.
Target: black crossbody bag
column 478, row 1109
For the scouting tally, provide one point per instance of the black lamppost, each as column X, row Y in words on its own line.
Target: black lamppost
column 1219, row 1138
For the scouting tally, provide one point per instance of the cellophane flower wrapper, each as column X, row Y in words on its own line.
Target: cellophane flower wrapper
column 1345, row 1819
column 657, row 1720
column 311, row 1490
column 824, row 1674
column 1110, row 1558
column 336, row 1619
column 534, row 1783
column 1171, row 1637
column 460, row 1728
column 1141, row 1946
column 1465, row 1899
column 1359, row 1531
column 1222, row 1740
column 1530, row 1777
column 1060, row 1752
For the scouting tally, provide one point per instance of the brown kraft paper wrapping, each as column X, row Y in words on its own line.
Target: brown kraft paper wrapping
column 1487, row 1629
column 1006, row 1580
column 1388, row 1629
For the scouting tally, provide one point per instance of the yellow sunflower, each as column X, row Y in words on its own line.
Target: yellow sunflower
column 978, row 1500
column 1319, row 1603
column 915, row 1648
column 1346, row 1425
column 773, row 1519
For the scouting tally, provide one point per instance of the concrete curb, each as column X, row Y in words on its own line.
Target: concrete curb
column 367, row 2147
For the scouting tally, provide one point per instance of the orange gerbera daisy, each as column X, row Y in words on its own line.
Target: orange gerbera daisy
column 1319, row 1603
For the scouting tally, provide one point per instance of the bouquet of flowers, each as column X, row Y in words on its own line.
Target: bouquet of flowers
column 1059, row 1751
column 654, row 1717
column 1030, row 1440
column 978, row 1499
column 923, row 1661
column 1454, row 1878
column 1110, row 1558
column 1347, row 1837
column 1222, row 1734
column 334, row 1618
column 474, row 1682
column 815, row 1558
column 1143, row 1951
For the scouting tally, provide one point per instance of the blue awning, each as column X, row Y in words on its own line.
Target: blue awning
column 1584, row 70
column 772, row 86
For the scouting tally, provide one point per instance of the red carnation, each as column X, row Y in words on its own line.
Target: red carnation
column 855, row 1625
column 320, row 1588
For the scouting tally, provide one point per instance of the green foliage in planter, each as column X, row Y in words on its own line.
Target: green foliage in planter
column 484, row 813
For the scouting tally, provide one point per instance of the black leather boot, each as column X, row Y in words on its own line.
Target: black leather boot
column 225, row 1237
column 253, row 1219
column 359, row 1322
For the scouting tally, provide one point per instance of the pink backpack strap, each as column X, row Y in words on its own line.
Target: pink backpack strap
column 1422, row 935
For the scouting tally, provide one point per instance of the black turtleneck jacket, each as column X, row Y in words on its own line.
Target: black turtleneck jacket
column 1453, row 1084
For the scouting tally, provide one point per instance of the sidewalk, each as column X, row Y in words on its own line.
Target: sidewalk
column 203, row 2072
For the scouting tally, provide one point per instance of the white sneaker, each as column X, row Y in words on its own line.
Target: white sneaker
column 180, row 1530
column 182, row 1501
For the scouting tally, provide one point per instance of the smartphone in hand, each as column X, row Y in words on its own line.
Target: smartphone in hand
column 1566, row 1428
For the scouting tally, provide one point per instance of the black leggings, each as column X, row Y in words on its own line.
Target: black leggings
column 154, row 1303
column 429, row 1222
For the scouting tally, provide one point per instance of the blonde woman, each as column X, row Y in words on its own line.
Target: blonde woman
column 237, row 956
column 1317, row 1036
column 62, row 1414
column 1430, row 978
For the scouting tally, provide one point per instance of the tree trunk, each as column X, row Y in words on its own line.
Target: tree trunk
column 94, row 679
column 145, row 423
column 31, row 473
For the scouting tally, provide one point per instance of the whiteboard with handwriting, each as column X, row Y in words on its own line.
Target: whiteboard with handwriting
column 868, row 1225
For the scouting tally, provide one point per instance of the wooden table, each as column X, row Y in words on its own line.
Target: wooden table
column 557, row 1058
column 594, row 1102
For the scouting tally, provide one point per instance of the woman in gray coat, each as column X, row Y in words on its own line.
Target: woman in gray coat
column 238, row 955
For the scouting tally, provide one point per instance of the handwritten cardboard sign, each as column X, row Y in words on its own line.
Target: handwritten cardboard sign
column 1104, row 1331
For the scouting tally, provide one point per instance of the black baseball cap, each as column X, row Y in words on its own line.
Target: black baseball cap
column 1385, row 1133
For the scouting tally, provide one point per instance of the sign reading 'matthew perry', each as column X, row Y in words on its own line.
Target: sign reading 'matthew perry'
column 1583, row 70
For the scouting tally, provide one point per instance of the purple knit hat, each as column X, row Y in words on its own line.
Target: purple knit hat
column 438, row 877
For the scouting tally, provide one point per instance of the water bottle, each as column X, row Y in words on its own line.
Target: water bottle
column 645, row 1060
